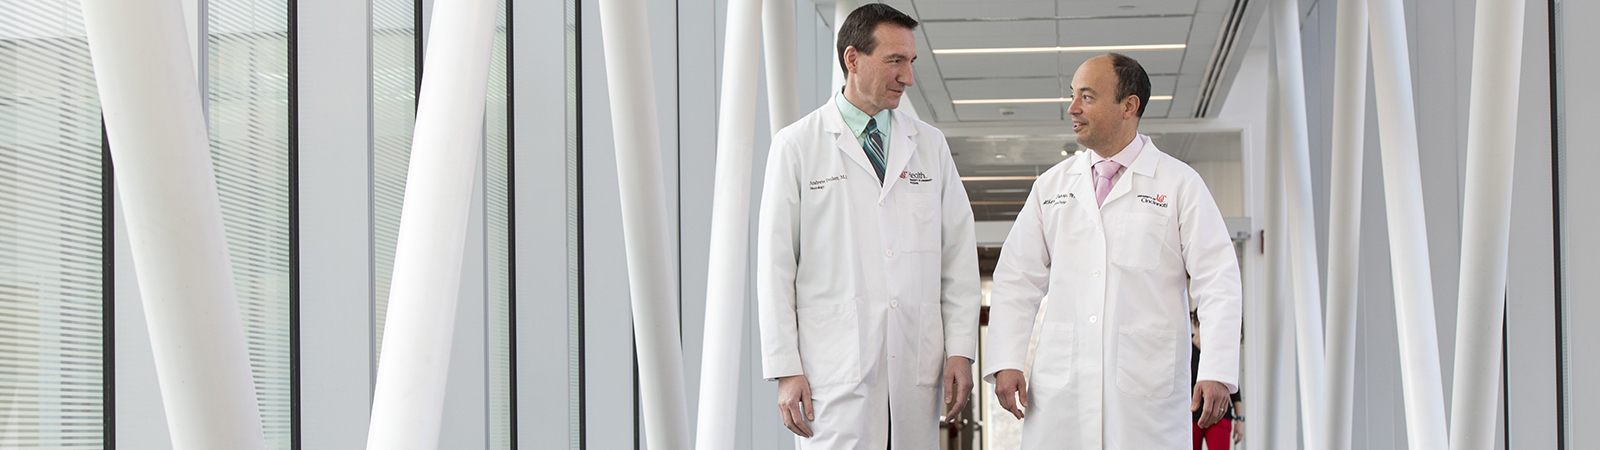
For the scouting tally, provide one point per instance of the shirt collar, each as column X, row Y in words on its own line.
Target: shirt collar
column 857, row 119
column 1127, row 156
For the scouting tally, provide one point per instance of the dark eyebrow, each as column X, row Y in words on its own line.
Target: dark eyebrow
column 1083, row 89
column 897, row 55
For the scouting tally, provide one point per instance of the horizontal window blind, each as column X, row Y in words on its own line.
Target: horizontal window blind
column 51, row 268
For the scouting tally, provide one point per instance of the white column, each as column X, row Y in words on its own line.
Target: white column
column 1276, row 424
column 783, row 70
column 1486, row 221
column 841, row 11
column 1408, row 233
column 730, row 230
column 1344, row 220
column 1302, row 243
column 158, row 140
column 624, row 30
column 408, row 400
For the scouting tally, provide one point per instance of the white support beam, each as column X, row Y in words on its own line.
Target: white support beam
column 1408, row 233
column 1278, row 427
column 409, row 398
column 157, row 133
column 1302, row 238
column 1344, row 220
column 1486, row 221
column 730, row 231
column 783, row 70
column 625, row 33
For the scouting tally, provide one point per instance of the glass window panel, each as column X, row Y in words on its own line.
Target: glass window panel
column 248, row 115
column 498, row 239
column 394, row 110
column 51, row 277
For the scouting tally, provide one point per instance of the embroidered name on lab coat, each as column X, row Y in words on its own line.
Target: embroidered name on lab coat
column 915, row 177
column 1158, row 200
column 819, row 184
column 1059, row 199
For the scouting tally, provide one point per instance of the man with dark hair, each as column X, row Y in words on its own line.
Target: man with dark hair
column 867, row 271
column 1121, row 239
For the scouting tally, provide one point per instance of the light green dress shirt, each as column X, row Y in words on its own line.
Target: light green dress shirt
column 856, row 119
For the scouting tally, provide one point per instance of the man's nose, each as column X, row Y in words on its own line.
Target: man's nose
column 906, row 78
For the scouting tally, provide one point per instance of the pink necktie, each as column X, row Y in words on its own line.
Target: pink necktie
column 1103, row 171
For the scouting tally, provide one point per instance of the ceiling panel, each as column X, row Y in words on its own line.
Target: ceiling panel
column 1139, row 31
column 1124, row 7
column 1154, row 61
column 1202, row 42
column 999, row 66
column 1023, row 33
column 1025, row 111
column 1159, row 84
column 987, row 88
column 1158, row 109
column 990, row 9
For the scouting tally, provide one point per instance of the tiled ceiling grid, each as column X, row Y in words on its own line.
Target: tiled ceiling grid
column 966, row 24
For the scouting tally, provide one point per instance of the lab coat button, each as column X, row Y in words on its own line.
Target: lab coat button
column 1093, row 319
column 894, row 303
column 1096, row 272
column 888, row 253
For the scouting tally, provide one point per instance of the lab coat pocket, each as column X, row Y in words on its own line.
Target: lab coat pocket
column 919, row 211
column 1139, row 241
column 830, row 346
column 1052, row 361
column 1145, row 362
column 930, row 346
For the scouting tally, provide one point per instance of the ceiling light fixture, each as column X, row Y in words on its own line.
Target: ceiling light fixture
column 992, row 101
column 1089, row 48
column 1025, row 178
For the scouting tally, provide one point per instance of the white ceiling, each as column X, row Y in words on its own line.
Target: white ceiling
column 953, row 24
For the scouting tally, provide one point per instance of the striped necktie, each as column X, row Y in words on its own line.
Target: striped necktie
column 874, row 148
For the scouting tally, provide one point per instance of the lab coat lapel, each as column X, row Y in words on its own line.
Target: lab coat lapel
column 901, row 147
column 1082, row 187
column 1145, row 165
column 844, row 139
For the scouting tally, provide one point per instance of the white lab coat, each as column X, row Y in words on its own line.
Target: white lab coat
column 864, row 289
column 1111, row 370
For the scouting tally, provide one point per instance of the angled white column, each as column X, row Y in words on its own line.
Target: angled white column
column 1344, row 220
column 1408, row 233
column 1277, row 423
column 1302, row 243
column 730, row 230
column 625, row 32
column 408, row 400
column 157, row 134
column 1486, row 221
column 841, row 11
column 783, row 67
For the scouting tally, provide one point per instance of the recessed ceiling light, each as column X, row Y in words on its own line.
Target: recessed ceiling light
column 1014, row 178
column 1063, row 153
column 1088, row 48
column 990, row 101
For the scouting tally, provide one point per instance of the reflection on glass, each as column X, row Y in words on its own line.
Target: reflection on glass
column 394, row 110
column 248, row 116
column 51, row 279
column 497, row 211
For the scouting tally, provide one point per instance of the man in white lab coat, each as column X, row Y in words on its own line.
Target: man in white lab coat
column 1120, row 239
column 867, row 275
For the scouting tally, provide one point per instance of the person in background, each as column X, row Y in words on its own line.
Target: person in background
column 1230, row 428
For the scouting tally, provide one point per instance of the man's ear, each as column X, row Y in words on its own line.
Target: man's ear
column 850, row 55
column 1130, row 107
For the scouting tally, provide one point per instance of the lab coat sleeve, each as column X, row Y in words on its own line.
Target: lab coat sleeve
column 960, row 296
column 1208, row 256
column 777, row 259
column 1021, row 279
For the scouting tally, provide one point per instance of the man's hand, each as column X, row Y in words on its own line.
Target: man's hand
column 1012, row 390
column 1211, row 399
column 958, row 381
column 794, row 392
column 1238, row 432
